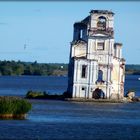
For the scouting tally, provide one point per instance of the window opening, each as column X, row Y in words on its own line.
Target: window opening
column 84, row 71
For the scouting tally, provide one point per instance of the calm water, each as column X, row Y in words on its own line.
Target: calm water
column 69, row 120
column 19, row 85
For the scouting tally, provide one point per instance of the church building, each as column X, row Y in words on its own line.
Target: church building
column 96, row 66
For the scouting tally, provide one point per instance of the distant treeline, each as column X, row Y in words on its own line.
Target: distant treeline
column 34, row 68
column 132, row 69
column 29, row 68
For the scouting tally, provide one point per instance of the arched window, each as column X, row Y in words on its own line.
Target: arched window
column 84, row 71
column 100, row 76
column 101, row 24
column 80, row 34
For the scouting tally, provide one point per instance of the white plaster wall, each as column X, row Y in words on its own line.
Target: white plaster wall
column 101, row 55
column 87, row 82
column 111, row 23
column 79, row 50
column 112, row 78
column 117, row 74
column 118, row 51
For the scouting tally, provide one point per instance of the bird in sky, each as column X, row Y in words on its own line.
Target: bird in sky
column 25, row 45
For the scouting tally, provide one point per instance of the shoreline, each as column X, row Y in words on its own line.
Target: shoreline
column 67, row 97
column 94, row 100
column 80, row 100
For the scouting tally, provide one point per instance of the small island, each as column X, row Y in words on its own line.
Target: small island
column 13, row 107
column 44, row 95
column 129, row 97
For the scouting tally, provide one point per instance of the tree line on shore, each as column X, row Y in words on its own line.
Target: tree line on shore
column 132, row 69
column 32, row 68
column 47, row 69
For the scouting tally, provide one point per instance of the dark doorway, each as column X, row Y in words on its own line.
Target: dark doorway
column 98, row 94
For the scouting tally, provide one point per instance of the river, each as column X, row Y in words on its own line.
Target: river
column 20, row 85
column 50, row 119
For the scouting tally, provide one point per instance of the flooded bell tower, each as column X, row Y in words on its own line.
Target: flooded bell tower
column 96, row 66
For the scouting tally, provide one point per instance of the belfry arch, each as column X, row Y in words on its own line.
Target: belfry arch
column 101, row 23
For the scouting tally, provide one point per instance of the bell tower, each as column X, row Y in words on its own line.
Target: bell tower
column 102, row 20
column 101, row 34
column 101, row 46
column 96, row 66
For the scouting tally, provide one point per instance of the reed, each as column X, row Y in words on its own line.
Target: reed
column 14, row 107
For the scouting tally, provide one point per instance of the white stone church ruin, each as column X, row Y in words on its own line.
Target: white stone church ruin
column 96, row 66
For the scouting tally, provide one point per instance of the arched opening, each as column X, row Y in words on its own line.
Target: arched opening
column 98, row 94
column 84, row 71
column 101, row 24
column 100, row 76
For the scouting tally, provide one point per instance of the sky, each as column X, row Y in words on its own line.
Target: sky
column 42, row 31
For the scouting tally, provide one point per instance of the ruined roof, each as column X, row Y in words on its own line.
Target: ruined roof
column 123, row 60
column 85, row 21
column 102, row 12
column 84, row 58
column 80, row 23
column 118, row 44
column 80, row 41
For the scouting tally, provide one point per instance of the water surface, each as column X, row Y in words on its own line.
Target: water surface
column 69, row 120
column 19, row 85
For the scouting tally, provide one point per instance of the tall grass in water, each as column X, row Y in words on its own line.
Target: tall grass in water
column 13, row 107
